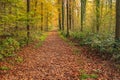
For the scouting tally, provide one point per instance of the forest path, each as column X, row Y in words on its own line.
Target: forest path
column 53, row 60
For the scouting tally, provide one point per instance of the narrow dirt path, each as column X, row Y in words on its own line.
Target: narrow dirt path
column 54, row 60
column 57, row 60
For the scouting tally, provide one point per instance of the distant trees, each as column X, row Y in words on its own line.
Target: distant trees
column 21, row 19
column 95, row 23
column 101, row 14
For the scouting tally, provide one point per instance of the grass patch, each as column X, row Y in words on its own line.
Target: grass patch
column 77, row 51
column 4, row 68
column 1, row 57
column 41, row 40
column 63, row 36
column 85, row 76
column 19, row 59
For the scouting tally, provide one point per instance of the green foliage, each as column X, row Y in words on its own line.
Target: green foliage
column 8, row 47
column 63, row 35
column 104, row 43
column 4, row 68
column 101, row 42
column 116, row 51
column 1, row 56
column 41, row 38
column 19, row 59
column 77, row 35
column 85, row 76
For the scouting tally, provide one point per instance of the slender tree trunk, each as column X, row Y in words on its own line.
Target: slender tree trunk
column 47, row 22
column 117, row 35
column 42, row 16
column 63, row 14
column 97, row 2
column 35, row 10
column 16, row 22
column 59, row 16
column 83, row 12
column 72, row 14
column 70, row 22
column 110, row 20
column 4, row 6
column 67, row 5
column 28, row 25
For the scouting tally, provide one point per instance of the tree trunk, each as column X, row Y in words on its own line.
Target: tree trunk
column 62, row 14
column 59, row 16
column 70, row 17
column 28, row 25
column 117, row 35
column 110, row 20
column 83, row 12
column 67, row 5
column 41, row 16
column 97, row 2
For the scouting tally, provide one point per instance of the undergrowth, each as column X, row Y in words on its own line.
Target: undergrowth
column 104, row 43
column 10, row 45
column 86, row 76
column 41, row 39
column 4, row 68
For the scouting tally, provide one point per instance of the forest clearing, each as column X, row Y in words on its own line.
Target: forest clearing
column 60, row 40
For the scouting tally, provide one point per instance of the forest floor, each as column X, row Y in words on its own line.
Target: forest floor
column 56, row 59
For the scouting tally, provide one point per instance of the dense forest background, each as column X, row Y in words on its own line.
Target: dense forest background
column 94, row 23
column 89, row 22
column 22, row 22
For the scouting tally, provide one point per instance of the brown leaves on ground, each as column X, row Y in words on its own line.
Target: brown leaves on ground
column 55, row 60
column 52, row 61
column 93, row 64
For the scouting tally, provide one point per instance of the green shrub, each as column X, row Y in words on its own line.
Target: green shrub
column 22, row 42
column 64, row 34
column 1, row 56
column 85, row 76
column 4, row 68
column 104, row 43
column 19, row 59
column 8, row 47
column 77, row 35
